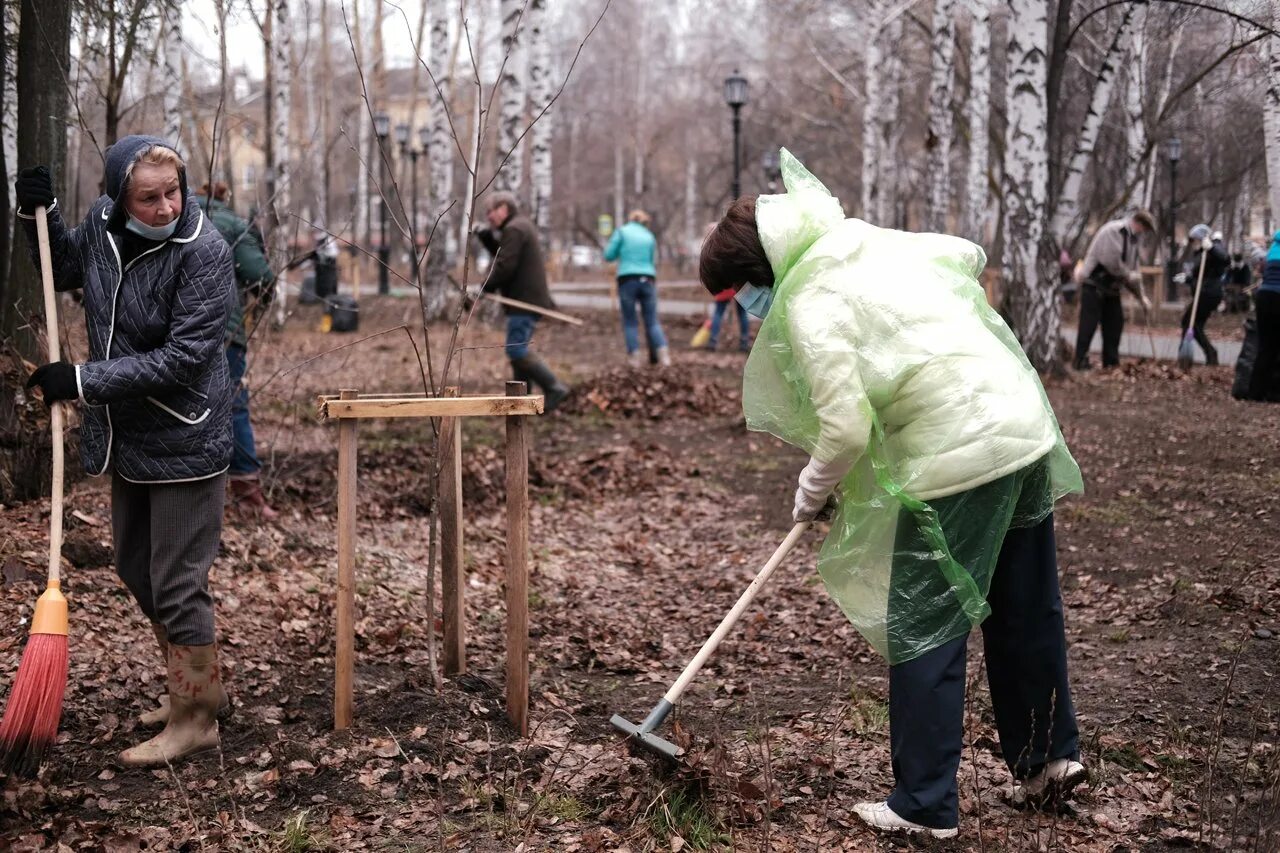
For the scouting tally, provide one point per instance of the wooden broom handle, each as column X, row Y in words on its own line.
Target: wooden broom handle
column 55, row 409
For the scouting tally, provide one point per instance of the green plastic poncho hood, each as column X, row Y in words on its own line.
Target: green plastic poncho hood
column 881, row 352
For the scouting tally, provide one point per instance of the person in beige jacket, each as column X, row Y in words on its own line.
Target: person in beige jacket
column 1110, row 264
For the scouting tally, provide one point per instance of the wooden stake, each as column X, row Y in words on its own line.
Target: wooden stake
column 344, row 632
column 518, row 566
column 452, row 579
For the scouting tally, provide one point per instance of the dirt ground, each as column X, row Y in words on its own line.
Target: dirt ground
column 652, row 508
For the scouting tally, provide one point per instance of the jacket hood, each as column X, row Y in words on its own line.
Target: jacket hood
column 119, row 158
column 789, row 223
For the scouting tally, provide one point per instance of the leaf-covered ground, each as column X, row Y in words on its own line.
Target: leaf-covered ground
column 652, row 509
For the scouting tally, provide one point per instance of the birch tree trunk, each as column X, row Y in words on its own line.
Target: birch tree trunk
column 8, row 124
column 541, row 89
column 1166, row 85
column 938, row 140
column 1067, row 210
column 364, row 162
column 282, row 71
column 890, row 131
column 1031, row 298
column 172, row 41
column 320, row 148
column 1271, row 114
column 977, row 195
column 511, row 117
column 440, row 152
column 1135, row 128
column 873, row 100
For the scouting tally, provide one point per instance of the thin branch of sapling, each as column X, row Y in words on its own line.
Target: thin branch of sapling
column 973, row 748
column 1216, row 744
column 287, row 370
column 502, row 67
column 444, row 102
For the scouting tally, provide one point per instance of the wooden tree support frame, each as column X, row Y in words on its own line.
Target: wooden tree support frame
column 348, row 408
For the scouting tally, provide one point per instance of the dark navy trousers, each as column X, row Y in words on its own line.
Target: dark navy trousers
column 1026, row 660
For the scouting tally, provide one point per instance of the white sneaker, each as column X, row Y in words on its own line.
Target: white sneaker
column 633, row 359
column 1054, row 783
column 880, row 816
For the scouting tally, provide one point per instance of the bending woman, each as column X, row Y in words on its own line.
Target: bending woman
column 880, row 357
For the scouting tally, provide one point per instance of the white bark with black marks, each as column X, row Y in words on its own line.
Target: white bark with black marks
column 511, row 120
column 891, row 129
column 977, row 195
column 1271, row 114
column 1135, row 128
column 541, row 90
column 873, row 62
column 282, row 81
column 1032, row 302
column 441, row 150
column 938, row 140
column 171, row 39
column 1067, row 211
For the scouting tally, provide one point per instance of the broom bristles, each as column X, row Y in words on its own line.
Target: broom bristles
column 30, row 722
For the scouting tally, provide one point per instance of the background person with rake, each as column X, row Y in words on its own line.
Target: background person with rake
column 916, row 399
column 158, row 282
column 1110, row 263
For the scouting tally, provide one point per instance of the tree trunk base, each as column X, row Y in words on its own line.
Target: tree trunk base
column 26, row 457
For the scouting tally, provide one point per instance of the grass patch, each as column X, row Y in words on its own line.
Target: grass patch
column 680, row 811
column 562, row 807
column 868, row 714
column 1124, row 756
column 297, row 836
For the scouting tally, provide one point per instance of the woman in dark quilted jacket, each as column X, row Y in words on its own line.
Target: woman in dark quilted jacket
column 158, row 282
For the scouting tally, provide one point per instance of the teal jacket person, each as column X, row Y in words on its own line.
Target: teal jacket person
column 634, row 247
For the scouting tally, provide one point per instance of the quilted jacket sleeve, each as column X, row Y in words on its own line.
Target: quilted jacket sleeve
column 65, row 248
column 197, row 328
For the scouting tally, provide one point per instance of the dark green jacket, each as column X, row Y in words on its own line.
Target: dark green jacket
column 253, row 274
column 518, row 271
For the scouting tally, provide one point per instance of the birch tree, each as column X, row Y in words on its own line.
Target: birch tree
column 172, row 61
column 890, row 128
column 1135, row 127
column 540, row 94
column 440, row 153
column 1271, row 112
column 1067, row 211
column 977, row 195
column 1031, row 300
column 279, row 79
column 8, row 124
column 512, row 117
column 873, row 66
column 362, row 233
column 938, row 140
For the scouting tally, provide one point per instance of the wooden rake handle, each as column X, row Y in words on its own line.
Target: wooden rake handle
column 55, row 409
column 731, row 618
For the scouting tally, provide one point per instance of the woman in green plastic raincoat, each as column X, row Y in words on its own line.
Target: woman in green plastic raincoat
column 879, row 356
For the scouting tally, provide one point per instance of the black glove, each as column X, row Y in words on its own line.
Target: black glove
column 34, row 188
column 57, row 380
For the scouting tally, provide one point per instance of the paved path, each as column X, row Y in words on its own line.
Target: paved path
column 1134, row 342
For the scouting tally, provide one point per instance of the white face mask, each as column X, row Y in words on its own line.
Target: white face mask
column 151, row 232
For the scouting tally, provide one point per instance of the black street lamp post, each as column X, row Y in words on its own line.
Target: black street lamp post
column 382, row 129
column 735, row 95
column 771, row 163
column 1172, row 150
column 403, row 134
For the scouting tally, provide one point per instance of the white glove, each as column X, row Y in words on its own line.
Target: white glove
column 1180, row 278
column 817, row 481
column 1146, row 303
column 1206, row 244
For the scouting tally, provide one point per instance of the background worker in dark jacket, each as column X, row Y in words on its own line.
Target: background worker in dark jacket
column 518, row 273
column 158, row 282
column 1110, row 264
column 1217, row 263
column 1264, row 383
column 254, row 281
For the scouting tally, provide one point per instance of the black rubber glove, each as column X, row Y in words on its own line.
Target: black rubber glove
column 34, row 188
column 57, row 380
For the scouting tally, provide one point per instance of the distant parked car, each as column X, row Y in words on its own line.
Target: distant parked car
column 582, row 255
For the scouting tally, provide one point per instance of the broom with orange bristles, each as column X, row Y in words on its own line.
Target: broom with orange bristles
column 31, row 718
